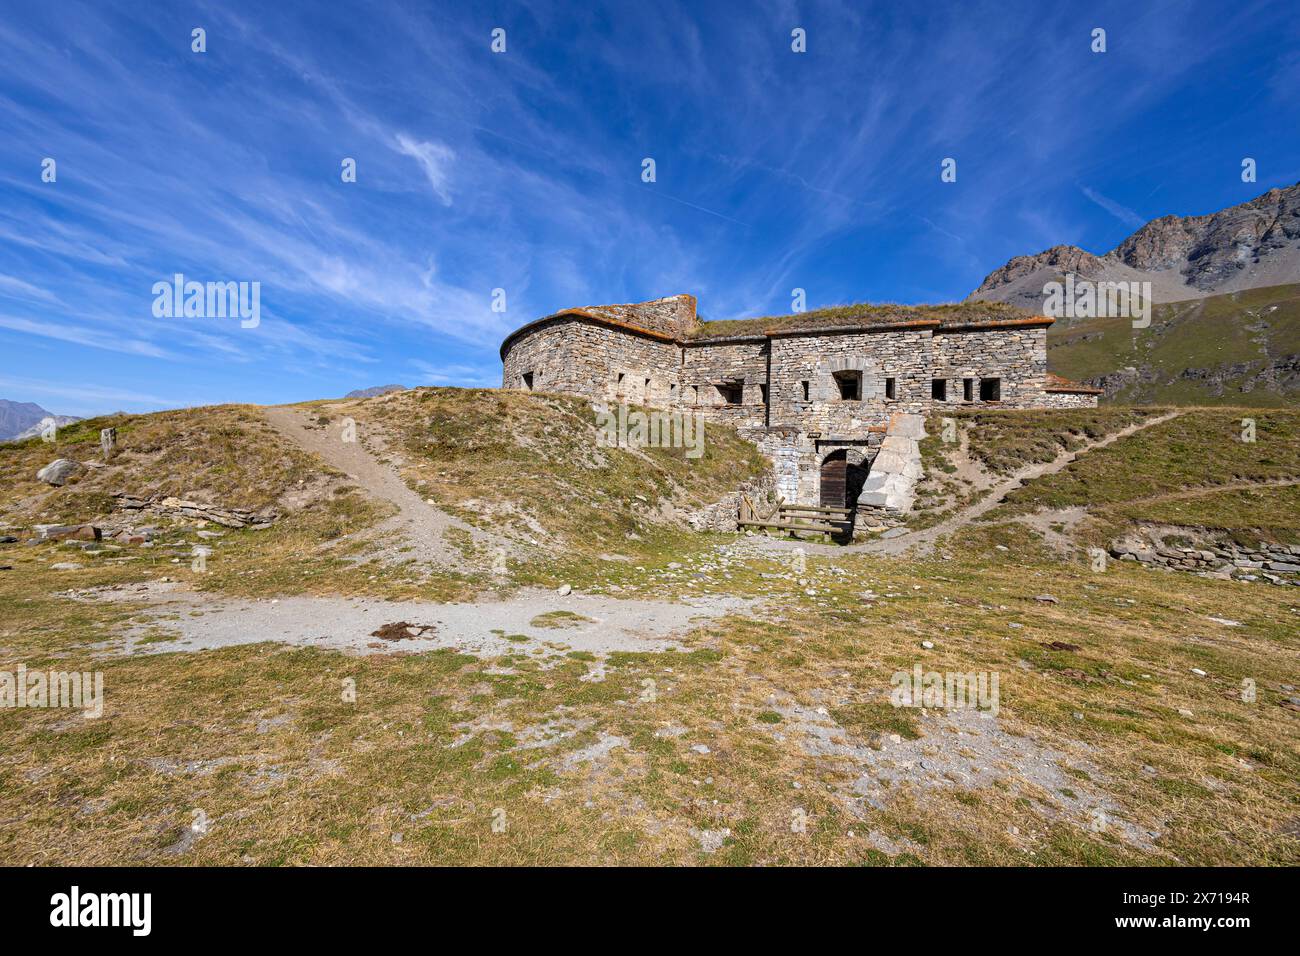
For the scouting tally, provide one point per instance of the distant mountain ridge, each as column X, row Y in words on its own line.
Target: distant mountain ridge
column 1250, row 246
column 374, row 390
column 19, row 420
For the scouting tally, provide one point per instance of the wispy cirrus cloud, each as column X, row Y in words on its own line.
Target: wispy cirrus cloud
column 1122, row 213
column 434, row 159
column 89, row 398
column 522, row 171
column 80, row 335
column 13, row 286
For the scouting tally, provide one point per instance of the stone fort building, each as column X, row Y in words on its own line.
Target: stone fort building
column 833, row 397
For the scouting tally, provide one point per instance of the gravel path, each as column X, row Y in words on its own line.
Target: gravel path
column 417, row 524
column 203, row 621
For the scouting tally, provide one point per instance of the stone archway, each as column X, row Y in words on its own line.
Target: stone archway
column 825, row 388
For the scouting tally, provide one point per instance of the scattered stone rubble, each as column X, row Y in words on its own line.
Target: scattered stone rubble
column 67, row 532
column 114, row 528
column 1275, row 563
column 168, row 506
column 722, row 515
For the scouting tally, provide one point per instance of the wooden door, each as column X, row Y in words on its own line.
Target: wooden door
column 834, row 479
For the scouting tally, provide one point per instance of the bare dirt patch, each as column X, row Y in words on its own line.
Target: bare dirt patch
column 599, row 625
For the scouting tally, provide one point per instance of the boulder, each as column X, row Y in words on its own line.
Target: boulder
column 875, row 482
column 68, row 532
column 59, row 471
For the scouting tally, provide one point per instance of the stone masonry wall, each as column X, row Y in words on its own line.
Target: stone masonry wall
column 1068, row 400
column 673, row 315
column 588, row 359
column 901, row 355
column 543, row 352
column 1275, row 563
column 596, row 361
column 1017, row 356
column 704, row 367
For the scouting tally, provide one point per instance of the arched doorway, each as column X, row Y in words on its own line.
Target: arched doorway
column 841, row 480
column 834, row 488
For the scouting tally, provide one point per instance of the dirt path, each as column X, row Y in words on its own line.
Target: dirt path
column 923, row 541
column 417, row 525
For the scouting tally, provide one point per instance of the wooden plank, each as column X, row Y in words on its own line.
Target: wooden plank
column 810, row 523
column 800, row 516
column 788, row 526
column 818, row 508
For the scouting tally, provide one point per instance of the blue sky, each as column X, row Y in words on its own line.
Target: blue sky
column 522, row 170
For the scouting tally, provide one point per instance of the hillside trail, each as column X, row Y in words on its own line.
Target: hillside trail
column 1187, row 494
column 921, row 542
column 418, row 529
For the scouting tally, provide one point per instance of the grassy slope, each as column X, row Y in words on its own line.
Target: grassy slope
column 259, row 739
column 1149, row 476
column 1000, row 442
column 531, row 461
column 530, row 465
column 223, row 454
column 1244, row 328
column 1007, row 440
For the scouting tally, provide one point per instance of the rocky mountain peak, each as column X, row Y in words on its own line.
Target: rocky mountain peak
column 1061, row 258
column 1252, row 245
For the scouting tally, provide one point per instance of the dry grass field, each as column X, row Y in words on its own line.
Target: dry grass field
column 1142, row 716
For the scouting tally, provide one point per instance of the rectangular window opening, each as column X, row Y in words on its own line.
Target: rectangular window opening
column 805, row 390
column 731, row 393
column 528, row 381
column 939, row 389
column 990, row 390
column 762, row 393
column 968, row 389
column 891, row 389
column 850, row 386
